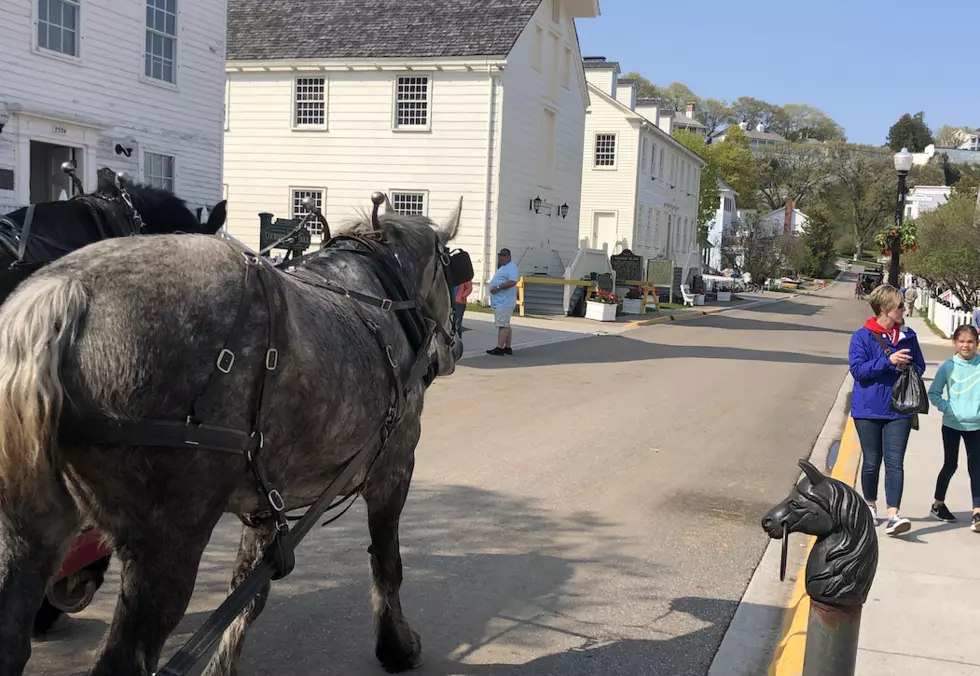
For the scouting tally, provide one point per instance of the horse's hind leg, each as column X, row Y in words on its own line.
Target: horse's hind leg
column 251, row 551
column 398, row 648
column 160, row 559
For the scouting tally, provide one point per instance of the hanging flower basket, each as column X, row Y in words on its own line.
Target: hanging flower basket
column 904, row 237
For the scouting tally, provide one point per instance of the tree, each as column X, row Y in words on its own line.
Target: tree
column 708, row 192
column 736, row 166
column 927, row 174
column 909, row 132
column 968, row 180
column 819, row 238
column 798, row 122
column 645, row 89
column 790, row 172
column 714, row 115
column 753, row 111
column 761, row 255
column 678, row 95
column 949, row 137
column 862, row 194
column 948, row 248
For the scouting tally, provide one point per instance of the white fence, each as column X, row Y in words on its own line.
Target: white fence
column 944, row 317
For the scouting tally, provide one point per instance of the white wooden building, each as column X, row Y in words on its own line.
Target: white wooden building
column 134, row 86
column 426, row 101
column 639, row 185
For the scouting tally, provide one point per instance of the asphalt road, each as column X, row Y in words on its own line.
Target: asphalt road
column 590, row 507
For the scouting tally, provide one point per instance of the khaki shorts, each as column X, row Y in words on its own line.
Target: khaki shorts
column 501, row 317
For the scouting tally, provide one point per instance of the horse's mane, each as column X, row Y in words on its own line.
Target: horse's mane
column 167, row 207
column 845, row 552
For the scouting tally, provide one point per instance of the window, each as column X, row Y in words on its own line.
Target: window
column 660, row 174
column 57, row 26
column 310, row 102
column 227, row 100
column 548, row 123
column 408, row 203
column 653, row 161
column 566, row 69
column 648, row 230
column 298, row 211
column 556, row 11
column 412, row 101
column 605, row 150
column 644, row 148
column 538, row 47
column 161, row 40
column 554, row 47
column 158, row 170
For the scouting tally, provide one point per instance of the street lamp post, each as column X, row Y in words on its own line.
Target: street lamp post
column 903, row 164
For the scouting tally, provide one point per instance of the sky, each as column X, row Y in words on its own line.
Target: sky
column 863, row 62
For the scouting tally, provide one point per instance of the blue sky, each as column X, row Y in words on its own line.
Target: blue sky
column 839, row 56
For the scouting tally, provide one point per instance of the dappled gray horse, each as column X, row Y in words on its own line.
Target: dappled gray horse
column 118, row 342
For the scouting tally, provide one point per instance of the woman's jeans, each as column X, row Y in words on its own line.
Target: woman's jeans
column 951, row 446
column 459, row 309
column 883, row 440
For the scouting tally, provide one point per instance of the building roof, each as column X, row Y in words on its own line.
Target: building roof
column 685, row 121
column 598, row 62
column 349, row 29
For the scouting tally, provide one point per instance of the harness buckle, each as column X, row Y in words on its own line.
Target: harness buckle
column 391, row 356
column 386, row 304
column 225, row 356
column 261, row 443
column 272, row 359
column 276, row 501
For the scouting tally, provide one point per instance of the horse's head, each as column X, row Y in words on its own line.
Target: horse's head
column 842, row 563
column 420, row 247
column 162, row 211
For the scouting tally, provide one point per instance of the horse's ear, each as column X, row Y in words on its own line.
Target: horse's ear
column 447, row 231
column 812, row 473
column 217, row 217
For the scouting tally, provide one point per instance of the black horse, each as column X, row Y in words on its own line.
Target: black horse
column 34, row 236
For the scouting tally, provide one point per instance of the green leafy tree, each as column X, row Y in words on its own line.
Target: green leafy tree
column 736, row 165
column 678, row 95
column 761, row 255
column 708, row 192
column 645, row 89
column 927, row 174
column 968, row 180
column 714, row 115
column 790, row 171
column 861, row 193
column 753, row 111
column 819, row 238
column 948, row 248
column 797, row 122
column 909, row 132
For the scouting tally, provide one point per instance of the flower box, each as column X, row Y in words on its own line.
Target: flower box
column 601, row 312
column 724, row 296
column 632, row 306
column 699, row 299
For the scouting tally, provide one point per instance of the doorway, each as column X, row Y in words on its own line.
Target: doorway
column 604, row 230
column 48, row 182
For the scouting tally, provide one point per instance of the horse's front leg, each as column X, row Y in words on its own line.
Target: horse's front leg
column 398, row 648
column 251, row 551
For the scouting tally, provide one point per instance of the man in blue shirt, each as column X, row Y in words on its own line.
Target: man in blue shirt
column 503, row 300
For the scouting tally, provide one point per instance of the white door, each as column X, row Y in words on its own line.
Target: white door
column 604, row 231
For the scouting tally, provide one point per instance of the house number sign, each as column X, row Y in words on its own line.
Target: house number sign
column 61, row 131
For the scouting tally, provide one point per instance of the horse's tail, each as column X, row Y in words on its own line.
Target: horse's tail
column 37, row 324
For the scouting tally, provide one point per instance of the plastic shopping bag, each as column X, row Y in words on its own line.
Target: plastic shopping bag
column 909, row 393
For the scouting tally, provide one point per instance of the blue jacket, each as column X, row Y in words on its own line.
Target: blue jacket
column 874, row 375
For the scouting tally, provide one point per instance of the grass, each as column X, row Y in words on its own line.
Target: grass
column 932, row 327
column 476, row 307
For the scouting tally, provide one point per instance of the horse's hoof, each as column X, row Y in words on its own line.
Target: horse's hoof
column 394, row 660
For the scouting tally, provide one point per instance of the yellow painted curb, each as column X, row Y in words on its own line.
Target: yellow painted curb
column 675, row 318
column 788, row 656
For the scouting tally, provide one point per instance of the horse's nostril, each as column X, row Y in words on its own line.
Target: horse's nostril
column 766, row 522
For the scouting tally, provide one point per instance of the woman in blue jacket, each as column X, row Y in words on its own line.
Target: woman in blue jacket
column 879, row 351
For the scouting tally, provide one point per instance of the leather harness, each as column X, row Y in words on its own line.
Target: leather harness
column 197, row 432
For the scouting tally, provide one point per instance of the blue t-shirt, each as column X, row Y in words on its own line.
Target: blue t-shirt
column 505, row 297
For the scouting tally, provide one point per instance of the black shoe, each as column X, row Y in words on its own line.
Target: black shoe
column 509, row 350
column 942, row 513
column 975, row 526
column 496, row 352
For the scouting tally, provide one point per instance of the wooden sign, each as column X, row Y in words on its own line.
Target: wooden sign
column 270, row 231
column 627, row 265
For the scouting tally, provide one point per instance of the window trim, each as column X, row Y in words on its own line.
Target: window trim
column 50, row 53
column 410, row 191
column 595, row 140
column 566, row 68
column 178, row 52
column 537, row 47
column 556, row 11
column 323, row 206
column 412, row 128
column 144, row 177
column 326, row 102
column 227, row 102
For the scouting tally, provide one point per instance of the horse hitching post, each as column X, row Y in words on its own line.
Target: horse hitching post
column 839, row 570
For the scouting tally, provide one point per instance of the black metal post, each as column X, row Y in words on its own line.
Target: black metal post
column 896, row 242
column 839, row 571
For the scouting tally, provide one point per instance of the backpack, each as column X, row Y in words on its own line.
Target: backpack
column 460, row 267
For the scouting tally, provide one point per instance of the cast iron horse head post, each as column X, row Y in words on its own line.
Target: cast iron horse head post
column 839, row 570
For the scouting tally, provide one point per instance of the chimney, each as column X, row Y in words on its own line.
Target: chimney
column 626, row 92
column 743, row 125
column 666, row 121
column 788, row 218
column 650, row 109
column 760, row 127
column 601, row 74
column 689, row 110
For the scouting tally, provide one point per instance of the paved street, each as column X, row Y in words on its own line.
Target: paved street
column 589, row 507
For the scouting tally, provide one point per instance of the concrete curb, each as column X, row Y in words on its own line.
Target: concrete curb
column 766, row 615
column 702, row 313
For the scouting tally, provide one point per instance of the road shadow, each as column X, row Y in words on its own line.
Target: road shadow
column 724, row 321
column 788, row 307
column 619, row 348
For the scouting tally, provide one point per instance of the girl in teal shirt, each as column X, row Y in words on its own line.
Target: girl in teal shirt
column 960, row 377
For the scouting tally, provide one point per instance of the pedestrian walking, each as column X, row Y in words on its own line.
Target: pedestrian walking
column 959, row 376
column 461, row 293
column 503, row 300
column 878, row 352
column 911, row 295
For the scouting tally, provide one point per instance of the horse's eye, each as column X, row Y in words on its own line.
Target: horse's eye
column 795, row 505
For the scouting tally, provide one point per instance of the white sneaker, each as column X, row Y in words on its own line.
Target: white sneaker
column 874, row 515
column 898, row 525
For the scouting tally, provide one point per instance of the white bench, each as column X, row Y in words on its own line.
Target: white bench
column 688, row 296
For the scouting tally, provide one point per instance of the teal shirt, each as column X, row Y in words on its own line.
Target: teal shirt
column 961, row 380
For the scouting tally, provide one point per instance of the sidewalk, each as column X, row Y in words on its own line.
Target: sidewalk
column 919, row 618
